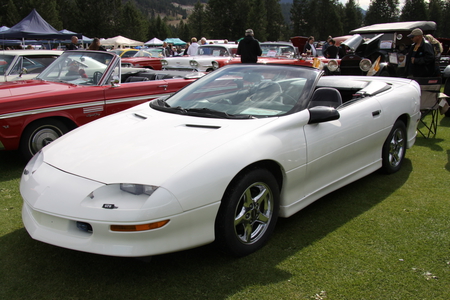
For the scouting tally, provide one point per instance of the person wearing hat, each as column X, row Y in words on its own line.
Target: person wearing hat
column 420, row 58
column 249, row 48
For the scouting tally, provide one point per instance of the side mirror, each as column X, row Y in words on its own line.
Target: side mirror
column 320, row 114
column 23, row 71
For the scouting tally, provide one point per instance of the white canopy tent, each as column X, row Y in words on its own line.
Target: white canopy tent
column 120, row 41
column 154, row 42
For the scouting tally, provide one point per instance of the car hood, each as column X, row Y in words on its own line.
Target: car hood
column 30, row 87
column 142, row 145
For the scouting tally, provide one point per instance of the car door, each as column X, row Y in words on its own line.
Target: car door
column 337, row 149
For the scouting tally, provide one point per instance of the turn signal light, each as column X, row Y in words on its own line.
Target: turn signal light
column 141, row 227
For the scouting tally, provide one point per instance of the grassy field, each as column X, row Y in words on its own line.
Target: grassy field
column 382, row 237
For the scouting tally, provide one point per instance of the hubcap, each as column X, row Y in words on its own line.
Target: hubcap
column 396, row 148
column 42, row 138
column 253, row 213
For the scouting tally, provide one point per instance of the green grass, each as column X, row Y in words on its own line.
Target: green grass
column 382, row 237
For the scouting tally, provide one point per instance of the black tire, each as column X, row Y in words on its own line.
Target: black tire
column 394, row 148
column 39, row 134
column 245, row 225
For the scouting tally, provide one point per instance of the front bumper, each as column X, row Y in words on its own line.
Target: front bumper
column 56, row 201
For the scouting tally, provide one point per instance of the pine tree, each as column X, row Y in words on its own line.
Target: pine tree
column 197, row 21
column 435, row 11
column 275, row 21
column 382, row 11
column 257, row 19
column 414, row 10
column 134, row 26
column 12, row 17
column 353, row 16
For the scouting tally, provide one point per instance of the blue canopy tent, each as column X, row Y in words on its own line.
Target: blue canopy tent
column 34, row 26
column 3, row 28
column 175, row 41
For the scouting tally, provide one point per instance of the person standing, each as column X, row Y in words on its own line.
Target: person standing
column 96, row 45
column 73, row 45
column 192, row 50
column 420, row 61
column 331, row 51
column 249, row 48
column 326, row 44
column 309, row 48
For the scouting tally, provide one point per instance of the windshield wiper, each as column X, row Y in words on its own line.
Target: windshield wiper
column 162, row 105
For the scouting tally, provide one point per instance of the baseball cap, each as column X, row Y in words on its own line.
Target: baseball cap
column 415, row 32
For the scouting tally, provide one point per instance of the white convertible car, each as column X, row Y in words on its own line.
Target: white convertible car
column 220, row 160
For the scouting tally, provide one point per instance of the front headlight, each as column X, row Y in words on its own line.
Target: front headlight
column 215, row 65
column 365, row 65
column 138, row 189
column 332, row 65
column 164, row 62
column 193, row 63
column 34, row 163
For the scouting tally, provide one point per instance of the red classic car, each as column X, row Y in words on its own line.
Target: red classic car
column 77, row 88
column 282, row 53
column 147, row 58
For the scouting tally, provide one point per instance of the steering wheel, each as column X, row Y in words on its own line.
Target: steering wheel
column 96, row 77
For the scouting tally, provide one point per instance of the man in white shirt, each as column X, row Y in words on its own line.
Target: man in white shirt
column 192, row 50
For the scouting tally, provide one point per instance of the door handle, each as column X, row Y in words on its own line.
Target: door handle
column 163, row 86
column 376, row 113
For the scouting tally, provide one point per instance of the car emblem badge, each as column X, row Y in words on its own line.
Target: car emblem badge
column 109, row 206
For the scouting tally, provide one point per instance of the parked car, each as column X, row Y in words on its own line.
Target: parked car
column 124, row 53
column 25, row 64
column 201, row 62
column 74, row 90
column 284, row 53
column 220, row 160
column 148, row 58
column 381, row 48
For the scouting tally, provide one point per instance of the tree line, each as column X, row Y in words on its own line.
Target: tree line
column 223, row 19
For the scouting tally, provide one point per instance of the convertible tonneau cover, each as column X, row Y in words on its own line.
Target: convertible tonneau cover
column 428, row 26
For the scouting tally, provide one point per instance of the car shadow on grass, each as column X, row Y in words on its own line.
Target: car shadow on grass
column 32, row 269
column 11, row 165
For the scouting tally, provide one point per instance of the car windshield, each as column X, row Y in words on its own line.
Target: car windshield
column 78, row 67
column 244, row 91
column 154, row 52
column 269, row 50
column 216, row 50
column 5, row 63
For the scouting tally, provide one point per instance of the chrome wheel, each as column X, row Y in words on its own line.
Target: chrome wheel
column 248, row 212
column 253, row 213
column 397, row 148
column 394, row 148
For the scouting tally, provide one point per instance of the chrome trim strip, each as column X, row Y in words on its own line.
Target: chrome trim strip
column 81, row 105
column 49, row 109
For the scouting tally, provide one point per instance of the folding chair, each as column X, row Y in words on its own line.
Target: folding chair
column 429, row 104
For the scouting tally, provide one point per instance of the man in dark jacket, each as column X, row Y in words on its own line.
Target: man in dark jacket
column 73, row 45
column 420, row 58
column 249, row 48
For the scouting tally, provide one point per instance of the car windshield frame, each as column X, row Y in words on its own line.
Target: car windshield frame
column 244, row 91
column 79, row 67
column 277, row 50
